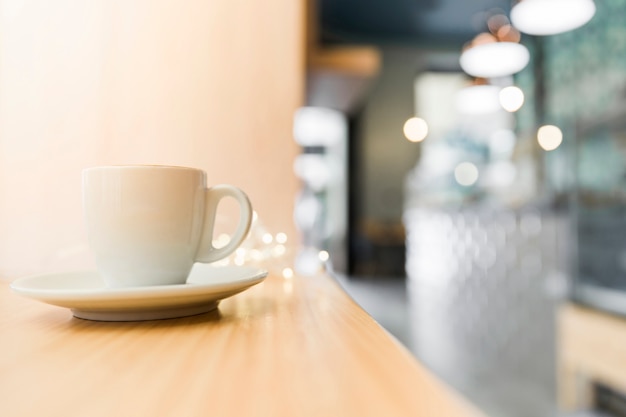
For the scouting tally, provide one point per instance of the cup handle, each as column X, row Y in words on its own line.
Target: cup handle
column 206, row 251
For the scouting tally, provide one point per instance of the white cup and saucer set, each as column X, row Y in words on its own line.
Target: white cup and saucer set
column 151, row 231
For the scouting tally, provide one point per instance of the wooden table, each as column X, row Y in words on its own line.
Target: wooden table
column 591, row 350
column 287, row 347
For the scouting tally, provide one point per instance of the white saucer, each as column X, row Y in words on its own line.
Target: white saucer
column 88, row 298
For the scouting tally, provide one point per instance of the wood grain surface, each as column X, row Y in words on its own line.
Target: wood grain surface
column 286, row 347
column 591, row 350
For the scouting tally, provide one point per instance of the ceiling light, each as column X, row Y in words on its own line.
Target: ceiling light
column 495, row 59
column 549, row 17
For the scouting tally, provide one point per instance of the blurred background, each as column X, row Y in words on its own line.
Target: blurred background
column 459, row 166
column 486, row 177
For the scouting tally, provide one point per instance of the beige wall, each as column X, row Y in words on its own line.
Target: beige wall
column 211, row 84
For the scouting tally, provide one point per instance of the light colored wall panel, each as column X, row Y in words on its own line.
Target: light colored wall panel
column 206, row 84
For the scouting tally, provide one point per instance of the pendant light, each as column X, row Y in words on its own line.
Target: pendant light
column 496, row 53
column 550, row 17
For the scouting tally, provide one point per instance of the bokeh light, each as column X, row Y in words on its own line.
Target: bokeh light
column 511, row 98
column 319, row 126
column 307, row 261
column 501, row 174
column 508, row 33
column 281, row 238
column 502, row 143
column 313, row 169
column 279, row 250
column 415, row 129
column 267, row 238
column 549, row 137
column 466, row 174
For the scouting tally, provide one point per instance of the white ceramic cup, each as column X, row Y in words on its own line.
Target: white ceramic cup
column 148, row 225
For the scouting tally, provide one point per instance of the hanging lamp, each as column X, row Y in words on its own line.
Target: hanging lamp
column 496, row 53
column 550, row 17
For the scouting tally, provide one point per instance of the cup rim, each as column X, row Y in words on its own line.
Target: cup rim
column 140, row 167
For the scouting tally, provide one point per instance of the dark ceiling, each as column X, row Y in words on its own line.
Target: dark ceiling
column 420, row 23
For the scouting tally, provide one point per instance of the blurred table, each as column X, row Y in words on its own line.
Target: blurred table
column 591, row 351
column 286, row 347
